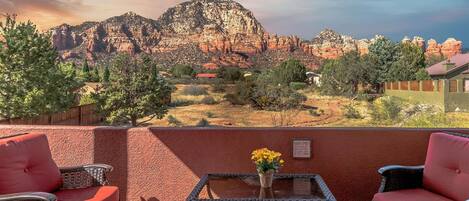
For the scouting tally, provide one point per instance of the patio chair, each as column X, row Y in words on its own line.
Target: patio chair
column 27, row 172
column 445, row 176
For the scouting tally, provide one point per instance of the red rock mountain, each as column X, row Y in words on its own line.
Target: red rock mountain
column 211, row 33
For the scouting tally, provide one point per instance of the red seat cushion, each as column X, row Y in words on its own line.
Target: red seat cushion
column 447, row 166
column 409, row 195
column 26, row 165
column 103, row 193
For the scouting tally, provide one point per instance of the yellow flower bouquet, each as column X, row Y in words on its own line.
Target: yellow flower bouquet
column 267, row 162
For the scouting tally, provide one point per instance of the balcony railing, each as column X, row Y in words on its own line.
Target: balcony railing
column 165, row 163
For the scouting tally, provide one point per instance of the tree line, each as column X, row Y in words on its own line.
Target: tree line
column 386, row 61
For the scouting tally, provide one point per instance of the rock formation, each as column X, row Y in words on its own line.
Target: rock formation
column 328, row 44
column 212, row 32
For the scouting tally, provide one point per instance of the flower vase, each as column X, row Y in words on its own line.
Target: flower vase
column 266, row 179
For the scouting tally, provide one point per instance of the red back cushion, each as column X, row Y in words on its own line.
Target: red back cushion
column 447, row 166
column 26, row 165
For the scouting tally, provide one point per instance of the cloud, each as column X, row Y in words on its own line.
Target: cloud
column 45, row 13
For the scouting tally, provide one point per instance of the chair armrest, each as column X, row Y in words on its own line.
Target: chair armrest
column 395, row 177
column 85, row 176
column 29, row 196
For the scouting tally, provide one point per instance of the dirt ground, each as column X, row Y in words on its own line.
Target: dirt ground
column 228, row 115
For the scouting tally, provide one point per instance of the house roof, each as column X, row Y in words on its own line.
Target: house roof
column 439, row 69
column 206, row 75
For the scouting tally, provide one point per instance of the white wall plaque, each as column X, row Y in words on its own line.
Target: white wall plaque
column 301, row 148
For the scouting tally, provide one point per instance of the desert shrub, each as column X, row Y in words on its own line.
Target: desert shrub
column 234, row 99
column 230, row 73
column 260, row 92
column 291, row 70
column 351, row 112
column 218, row 86
column 428, row 120
column 182, row 71
column 173, row 121
column 194, row 90
column 314, row 112
column 365, row 97
column 210, row 114
column 298, row 85
column 386, row 110
column 203, row 123
column 208, row 100
column 181, row 103
column 274, row 97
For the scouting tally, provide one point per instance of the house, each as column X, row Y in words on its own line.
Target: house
column 457, row 67
column 206, row 75
column 314, row 78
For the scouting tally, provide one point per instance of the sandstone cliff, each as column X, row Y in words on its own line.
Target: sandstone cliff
column 212, row 33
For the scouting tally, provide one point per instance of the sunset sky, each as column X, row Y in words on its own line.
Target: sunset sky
column 437, row 19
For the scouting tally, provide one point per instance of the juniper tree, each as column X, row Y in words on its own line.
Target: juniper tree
column 32, row 82
column 134, row 91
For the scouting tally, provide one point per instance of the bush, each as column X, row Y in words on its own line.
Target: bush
column 230, row 73
column 351, row 113
column 218, row 87
column 314, row 112
column 180, row 71
column 208, row 100
column 203, row 123
column 181, row 103
column 386, row 110
column 87, row 99
column 298, row 85
column 234, row 99
column 210, row 115
column 276, row 98
column 173, row 121
column 194, row 90
column 288, row 71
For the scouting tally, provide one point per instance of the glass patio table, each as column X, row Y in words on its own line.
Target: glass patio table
column 246, row 187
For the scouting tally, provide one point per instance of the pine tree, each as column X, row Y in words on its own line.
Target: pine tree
column 106, row 74
column 85, row 72
column 135, row 91
column 95, row 77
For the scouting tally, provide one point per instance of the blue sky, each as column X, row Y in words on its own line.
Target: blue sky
column 438, row 19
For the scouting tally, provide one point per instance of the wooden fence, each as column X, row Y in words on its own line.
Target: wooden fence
column 79, row 115
column 427, row 85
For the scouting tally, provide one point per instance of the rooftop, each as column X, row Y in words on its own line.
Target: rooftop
column 458, row 60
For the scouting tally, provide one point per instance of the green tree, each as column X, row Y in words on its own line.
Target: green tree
column 291, row 70
column 342, row 77
column 32, row 82
column 95, row 76
column 434, row 59
column 411, row 60
column 85, row 72
column 422, row 74
column 106, row 74
column 180, row 70
column 386, row 52
column 133, row 93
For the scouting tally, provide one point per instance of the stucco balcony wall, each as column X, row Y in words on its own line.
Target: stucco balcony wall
column 164, row 164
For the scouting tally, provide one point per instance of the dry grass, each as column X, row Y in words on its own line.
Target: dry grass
column 227, row 115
